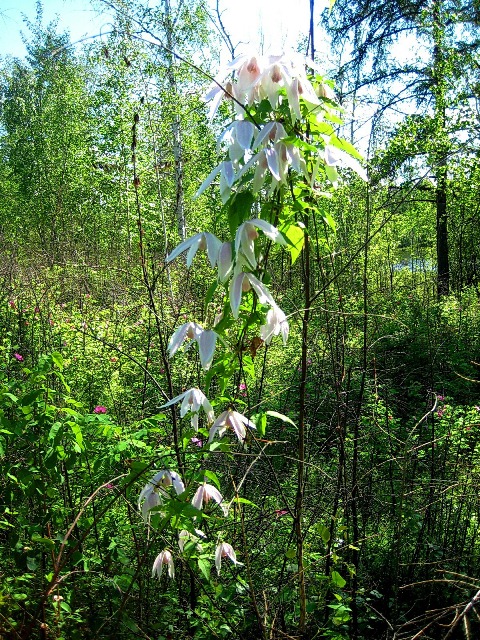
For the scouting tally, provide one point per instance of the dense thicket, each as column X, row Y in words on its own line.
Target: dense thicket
column 103, row 149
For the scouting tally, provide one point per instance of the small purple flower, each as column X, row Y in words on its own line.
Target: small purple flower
column 280, row 512
column 477, row 407
column 197, row 441
column 109, row 486
column 18, row 357
column 440, row 412
column 441, row 398
column 242, row 386
column 100, row 409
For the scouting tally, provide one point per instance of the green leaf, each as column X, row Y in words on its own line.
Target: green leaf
column 57, row 359
column 38, row 539
column 290, row 553
column 329, row 220
column 280, row 416
column 332, row 174
column 295, row 237
column 240, row 209
column 213, row 477
column 239, row 500
column 337, row 580
column 323, row 531
column 210, row 293
column 54, row 430
column 204, row 567
column 30, row 398
column 260, row 420
column 342, row 144
column 77, row 432
column 10, row 396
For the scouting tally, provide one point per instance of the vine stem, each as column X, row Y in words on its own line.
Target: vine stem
column 301, row 442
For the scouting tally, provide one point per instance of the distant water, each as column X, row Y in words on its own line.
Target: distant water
column 415, row 264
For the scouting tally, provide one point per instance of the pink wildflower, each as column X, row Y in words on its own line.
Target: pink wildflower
column 18, row 357
column 100, row 409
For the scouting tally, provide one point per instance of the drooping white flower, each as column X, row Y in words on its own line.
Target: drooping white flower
column 334, row 156
column 192, row 401
column 163, row 558
column 225, row 550
column 242, row 283
column 200, row 241
column 186, row 536
column 227, row 178
column 149, row 499
column 150, row 496
column 276, row 323
column 238, row 139
column 189, row 330
column 205, row 493
column 233, row 420
column 205, row 338
column 270, row 132
column 247, row 234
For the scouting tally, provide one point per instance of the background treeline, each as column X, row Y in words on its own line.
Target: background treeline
column 102, row 150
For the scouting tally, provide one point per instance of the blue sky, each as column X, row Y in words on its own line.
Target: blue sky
column 281, row 25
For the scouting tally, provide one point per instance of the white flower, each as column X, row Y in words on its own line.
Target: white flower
column 205, row 493
column 199, row 241
column 271, row 132
column 205, row 338
column 241, row 284
column 276, row 323
column 149, row 499
column 164, row 557
column 247, row 234
column 193, row 400
column 227, row 178
column 230, row 419
column 276, row 159
column 259, row 77
column 334, row 156
column 186, row 536
column 238, row 138
column 225, row 550
column 225, row 262
column 150, row 495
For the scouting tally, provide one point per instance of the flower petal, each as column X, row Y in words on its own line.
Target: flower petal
column 208, row 180
column 264, row 295
column 235, row 293
column 206, row 347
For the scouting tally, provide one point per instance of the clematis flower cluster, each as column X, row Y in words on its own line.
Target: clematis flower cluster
column 269, row 154
column 257, row 78
column 263, row 77
column 236, row 263
column 152, row 495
